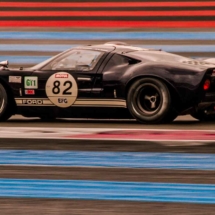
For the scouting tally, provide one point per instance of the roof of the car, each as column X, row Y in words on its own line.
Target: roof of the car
column 114, row 47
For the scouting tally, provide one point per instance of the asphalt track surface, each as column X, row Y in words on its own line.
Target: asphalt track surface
column 104, row 207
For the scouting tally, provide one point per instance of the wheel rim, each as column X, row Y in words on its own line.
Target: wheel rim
column 149, row 99
column 2, row 101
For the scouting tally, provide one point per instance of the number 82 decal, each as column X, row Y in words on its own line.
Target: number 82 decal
column 56, row 88
column 61, row 89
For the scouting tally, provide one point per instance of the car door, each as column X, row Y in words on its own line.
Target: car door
column 69, row 79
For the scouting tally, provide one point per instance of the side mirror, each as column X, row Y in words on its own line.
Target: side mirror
column 4, row 63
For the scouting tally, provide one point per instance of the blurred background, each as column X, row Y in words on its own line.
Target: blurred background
column 95, row 176
column 32, row 31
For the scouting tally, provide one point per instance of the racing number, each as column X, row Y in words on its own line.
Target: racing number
column 56, row 87
column 61, row 89
column 65, row 92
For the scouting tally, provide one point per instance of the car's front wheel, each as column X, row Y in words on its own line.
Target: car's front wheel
column 149, row 101
column 5, row 105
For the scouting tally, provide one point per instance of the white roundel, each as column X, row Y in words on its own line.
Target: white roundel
column 62, row 89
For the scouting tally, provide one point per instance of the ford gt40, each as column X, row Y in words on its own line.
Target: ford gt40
column 108, row 81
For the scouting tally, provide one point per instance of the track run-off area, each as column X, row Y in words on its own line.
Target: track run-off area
column 107, row 167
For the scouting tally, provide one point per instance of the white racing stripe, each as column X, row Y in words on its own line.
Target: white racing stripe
column 78, row 103
column 100, row 102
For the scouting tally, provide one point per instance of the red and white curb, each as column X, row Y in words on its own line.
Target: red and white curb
column 156, row 135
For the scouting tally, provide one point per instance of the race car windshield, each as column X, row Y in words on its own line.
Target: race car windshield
column 43, row 63
column 77, row 59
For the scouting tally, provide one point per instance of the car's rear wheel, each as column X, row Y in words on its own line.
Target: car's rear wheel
column 5, row 102
column 149, row 101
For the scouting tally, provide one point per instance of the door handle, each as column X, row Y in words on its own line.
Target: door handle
column 84, row 79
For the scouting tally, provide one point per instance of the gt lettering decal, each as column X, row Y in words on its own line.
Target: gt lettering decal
column 62, row 89
column 30, row 82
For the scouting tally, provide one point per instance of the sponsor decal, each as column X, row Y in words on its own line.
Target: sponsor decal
column 31, row 82
column 15, row 79
column 29, row 92
column 62, row 100
column 61, row 75
column 32, row 101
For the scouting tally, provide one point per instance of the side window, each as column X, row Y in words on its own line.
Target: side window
column 77, row 59
column 117, row 61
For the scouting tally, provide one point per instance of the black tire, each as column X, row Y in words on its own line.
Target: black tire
column 5, row 105
column 149, row 101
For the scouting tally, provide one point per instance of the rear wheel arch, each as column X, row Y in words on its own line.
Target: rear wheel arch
column 156, row 105
column 173, row 92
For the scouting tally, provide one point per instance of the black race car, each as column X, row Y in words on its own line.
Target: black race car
column 206, row 109
column 107, row 81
